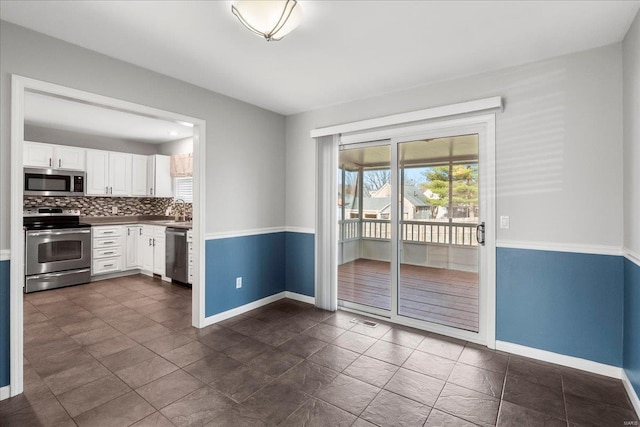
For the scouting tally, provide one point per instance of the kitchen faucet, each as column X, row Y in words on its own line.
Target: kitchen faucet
column 182, row 217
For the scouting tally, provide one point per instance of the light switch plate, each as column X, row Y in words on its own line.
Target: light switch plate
column 504, row 222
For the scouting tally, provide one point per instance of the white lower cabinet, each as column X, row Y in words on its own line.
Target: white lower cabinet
column 107, row 249
column 153, row 250
column 117, row 248
column 133, row 240
column 145, row 247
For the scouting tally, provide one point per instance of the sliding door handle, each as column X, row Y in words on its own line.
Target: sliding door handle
column 480, row 233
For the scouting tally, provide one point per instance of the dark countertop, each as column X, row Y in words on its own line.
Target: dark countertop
column 160, row 220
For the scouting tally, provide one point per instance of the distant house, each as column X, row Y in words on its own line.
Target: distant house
column 377, row 204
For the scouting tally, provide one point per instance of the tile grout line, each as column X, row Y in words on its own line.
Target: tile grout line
column 564, row 399
column 504, row 386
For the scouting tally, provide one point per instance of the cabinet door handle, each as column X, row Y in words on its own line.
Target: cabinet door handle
column 106, row 190
column 140, row 230
column 151, row 191
column 149, row 242
column 128, row 232
column 108, row 243
column 107, row 232
column 59, row 163
column 108, row 265
column 108, row 253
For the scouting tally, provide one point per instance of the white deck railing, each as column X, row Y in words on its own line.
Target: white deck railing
column 449, row 233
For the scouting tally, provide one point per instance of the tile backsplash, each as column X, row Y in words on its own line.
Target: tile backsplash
column 102, row 206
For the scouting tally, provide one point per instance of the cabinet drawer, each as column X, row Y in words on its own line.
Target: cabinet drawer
column 107, row 252
column 106, row 242
column 106, row 265
column 107, row 231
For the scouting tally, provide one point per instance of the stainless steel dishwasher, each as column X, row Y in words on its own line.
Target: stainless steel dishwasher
column 177, row 255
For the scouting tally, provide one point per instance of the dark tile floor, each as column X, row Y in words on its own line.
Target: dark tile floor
column 122, row 352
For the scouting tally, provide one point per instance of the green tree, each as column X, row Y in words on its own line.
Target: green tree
column 464, row 184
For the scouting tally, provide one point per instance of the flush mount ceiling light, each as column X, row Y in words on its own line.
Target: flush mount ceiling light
column 271, row 19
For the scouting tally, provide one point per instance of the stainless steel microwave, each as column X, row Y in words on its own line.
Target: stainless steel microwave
column 53, row 182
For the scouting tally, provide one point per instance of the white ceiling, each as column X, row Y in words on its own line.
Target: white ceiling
column 342, row 50
column 58, row 113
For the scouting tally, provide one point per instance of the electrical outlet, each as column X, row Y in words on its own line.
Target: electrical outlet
column 114, row 210
column 238, row 282
column 504, row 222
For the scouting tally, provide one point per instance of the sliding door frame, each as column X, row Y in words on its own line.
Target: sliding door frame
column 484, row 126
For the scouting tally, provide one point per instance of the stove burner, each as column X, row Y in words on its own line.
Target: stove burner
column 48, row 218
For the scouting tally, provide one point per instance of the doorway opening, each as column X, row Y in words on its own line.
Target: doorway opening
column 23, row 91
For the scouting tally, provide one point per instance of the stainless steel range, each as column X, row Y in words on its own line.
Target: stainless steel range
column 57, row 249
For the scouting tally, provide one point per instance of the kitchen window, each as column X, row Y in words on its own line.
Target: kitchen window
column 183, row 187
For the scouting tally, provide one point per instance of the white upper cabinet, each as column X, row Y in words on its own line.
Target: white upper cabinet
column 139, row 185
column 159, row 176
column 69, row 158
column 37, row 155
column 108, row 173
column 119, row 174
column 40, row 155
column 97, row 173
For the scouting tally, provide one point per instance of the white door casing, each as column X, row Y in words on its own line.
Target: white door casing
column 21, row 84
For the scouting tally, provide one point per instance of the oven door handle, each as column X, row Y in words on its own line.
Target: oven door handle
column 64, row 273
column 57, row 233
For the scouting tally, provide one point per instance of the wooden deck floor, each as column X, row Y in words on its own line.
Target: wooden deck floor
column 437, row 295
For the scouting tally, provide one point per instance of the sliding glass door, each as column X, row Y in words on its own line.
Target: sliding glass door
column 410, row 230
column 438, row 247
column 365, row 228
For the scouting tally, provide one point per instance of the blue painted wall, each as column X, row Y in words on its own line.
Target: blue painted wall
column 258, row 259
column 299, row 263
column 5, row 362
column 566, row 303
column 632, row 323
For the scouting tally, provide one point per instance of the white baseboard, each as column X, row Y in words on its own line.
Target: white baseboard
column 633, row 396
column 561, row 359
column 300, row 297
column 5, row 392
column 242, row 309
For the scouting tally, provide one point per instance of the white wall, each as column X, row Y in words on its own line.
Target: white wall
column 245, row 144
column 77, row 139
column 631, row 81
column 558, row 148
column 179, row 146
